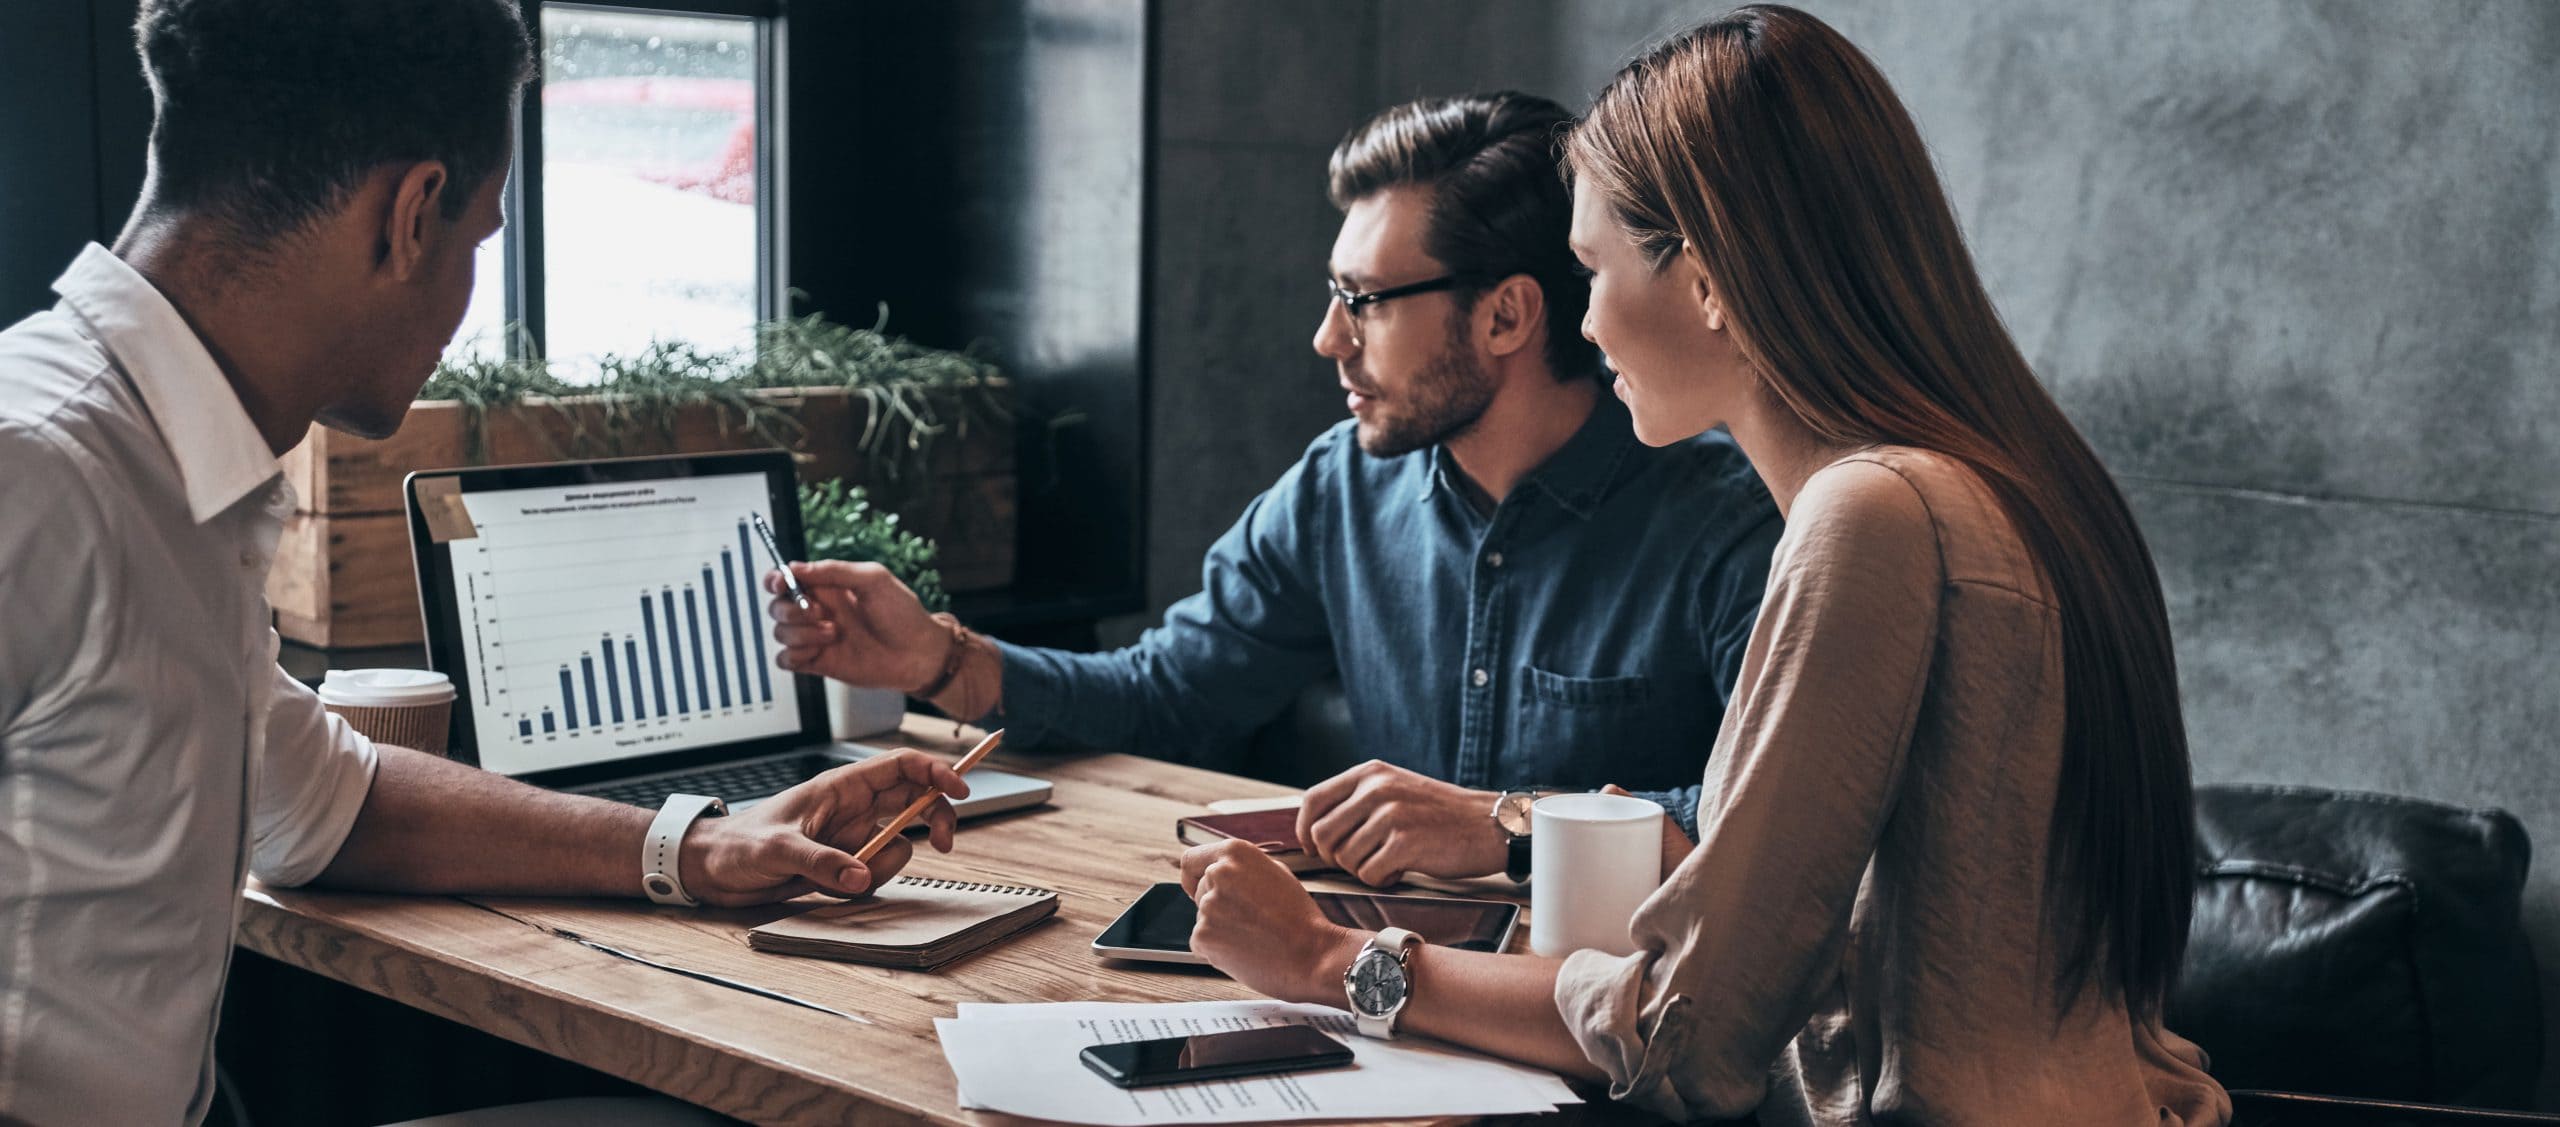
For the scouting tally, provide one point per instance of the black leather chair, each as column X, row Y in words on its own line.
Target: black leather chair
column 2361, row 945
column 2302, row 1109
column 2355, row 958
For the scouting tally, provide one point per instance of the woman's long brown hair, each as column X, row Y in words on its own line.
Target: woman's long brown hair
column 1777, row 153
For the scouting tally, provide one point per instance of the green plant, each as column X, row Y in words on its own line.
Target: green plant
column 482, row 384
column 649, row 391
column 912, row 394
column 839, row 523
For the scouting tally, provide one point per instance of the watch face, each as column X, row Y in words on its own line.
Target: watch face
column 1377, row 983
column 1513, row 813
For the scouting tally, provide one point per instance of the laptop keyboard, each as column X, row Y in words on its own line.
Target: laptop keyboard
column 731, row 782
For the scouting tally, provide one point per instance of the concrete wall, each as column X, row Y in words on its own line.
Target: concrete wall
column 2293, row 267
column 1251, row 98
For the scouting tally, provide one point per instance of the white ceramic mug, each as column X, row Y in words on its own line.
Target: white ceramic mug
column 410, row 708
column 860, row 713
column 1593, row 858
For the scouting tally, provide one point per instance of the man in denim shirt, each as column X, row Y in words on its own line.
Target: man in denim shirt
column 1516, row 593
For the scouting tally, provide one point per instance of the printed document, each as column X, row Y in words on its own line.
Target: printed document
column 1022, row 1060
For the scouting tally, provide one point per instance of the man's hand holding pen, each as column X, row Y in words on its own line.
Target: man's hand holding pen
column 804, row 839
column 866, row 628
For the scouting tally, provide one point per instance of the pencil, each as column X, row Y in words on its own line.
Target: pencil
column 916, row 809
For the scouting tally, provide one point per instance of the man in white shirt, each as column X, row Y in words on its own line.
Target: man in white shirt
column 320, row 175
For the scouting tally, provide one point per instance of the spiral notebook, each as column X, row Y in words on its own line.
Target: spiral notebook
column 912, row 923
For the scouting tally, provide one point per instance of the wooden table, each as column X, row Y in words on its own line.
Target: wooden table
column 1106, row 836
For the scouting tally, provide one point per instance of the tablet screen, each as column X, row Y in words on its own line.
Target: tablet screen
column 1468, row 925
column 1161, row 920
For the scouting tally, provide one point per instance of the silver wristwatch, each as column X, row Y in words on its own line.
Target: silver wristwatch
column 1511, row 814
column 1380, row 982
column 661, row 856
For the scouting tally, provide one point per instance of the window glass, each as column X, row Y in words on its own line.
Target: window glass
column 648, row 182
column 484, row 321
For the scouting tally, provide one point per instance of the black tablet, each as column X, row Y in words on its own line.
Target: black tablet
column 1157, row 929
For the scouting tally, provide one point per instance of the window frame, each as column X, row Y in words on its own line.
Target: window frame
column 523, row 301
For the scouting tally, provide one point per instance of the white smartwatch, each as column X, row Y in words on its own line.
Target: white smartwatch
column 1380, row 982
column 661, row 861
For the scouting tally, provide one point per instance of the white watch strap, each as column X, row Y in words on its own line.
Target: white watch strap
column 661, row 868
column 1398, row 942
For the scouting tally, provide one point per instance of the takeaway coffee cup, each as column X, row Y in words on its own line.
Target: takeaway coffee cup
column 1593, row 858
column 406, row 707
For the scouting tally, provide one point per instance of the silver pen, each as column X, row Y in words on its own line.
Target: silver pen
column 790, row 584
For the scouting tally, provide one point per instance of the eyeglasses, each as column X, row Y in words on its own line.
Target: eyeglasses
column 1353, row 302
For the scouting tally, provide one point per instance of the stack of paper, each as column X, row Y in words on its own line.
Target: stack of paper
column 1022, row 1060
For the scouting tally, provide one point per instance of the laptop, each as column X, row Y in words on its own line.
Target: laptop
column 604, row 626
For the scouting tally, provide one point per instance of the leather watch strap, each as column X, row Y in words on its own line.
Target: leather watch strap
column 1516, row 859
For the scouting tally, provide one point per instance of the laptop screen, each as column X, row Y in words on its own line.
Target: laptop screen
column 603, row 621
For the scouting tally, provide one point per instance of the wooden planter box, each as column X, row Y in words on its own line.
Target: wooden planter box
column 343, row 578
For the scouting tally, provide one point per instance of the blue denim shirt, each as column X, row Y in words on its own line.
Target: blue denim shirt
column 1587, row 631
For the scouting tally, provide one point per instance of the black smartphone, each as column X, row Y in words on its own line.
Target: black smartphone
column 1211, row 1056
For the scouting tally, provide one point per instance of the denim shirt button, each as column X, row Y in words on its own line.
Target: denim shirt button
column 1480, row 677
column 1493, row 559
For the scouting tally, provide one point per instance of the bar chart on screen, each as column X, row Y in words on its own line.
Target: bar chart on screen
column 610, row 620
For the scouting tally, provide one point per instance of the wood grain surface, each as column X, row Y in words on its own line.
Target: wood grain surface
column 498, row 964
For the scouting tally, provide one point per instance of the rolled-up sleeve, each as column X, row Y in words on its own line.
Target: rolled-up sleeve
column 1744, row 938
column 314, row 779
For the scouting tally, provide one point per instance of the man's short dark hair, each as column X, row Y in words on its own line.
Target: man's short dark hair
column 270, row 112
column 1497, row 206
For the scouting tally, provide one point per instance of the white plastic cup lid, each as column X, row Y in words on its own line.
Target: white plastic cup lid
column 385, row 688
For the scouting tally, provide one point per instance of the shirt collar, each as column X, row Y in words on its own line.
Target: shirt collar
column 221, row 456
column 1577, row 475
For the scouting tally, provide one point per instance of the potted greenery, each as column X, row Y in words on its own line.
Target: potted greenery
column 839, row 523
column 929, row 431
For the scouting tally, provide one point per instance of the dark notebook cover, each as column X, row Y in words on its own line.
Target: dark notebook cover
column 1273, row 831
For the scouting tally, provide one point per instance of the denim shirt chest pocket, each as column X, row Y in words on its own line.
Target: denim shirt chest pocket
column 1641, row 731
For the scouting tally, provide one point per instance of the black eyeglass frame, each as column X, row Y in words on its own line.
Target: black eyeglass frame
column 1353, row 301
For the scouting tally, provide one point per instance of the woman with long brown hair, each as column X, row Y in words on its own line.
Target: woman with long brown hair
column 1943, row 871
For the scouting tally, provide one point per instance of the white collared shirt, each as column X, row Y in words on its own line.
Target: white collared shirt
column 151, row 751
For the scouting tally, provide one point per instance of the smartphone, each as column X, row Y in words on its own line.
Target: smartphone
column 1157, row 928
column 1211, row 1056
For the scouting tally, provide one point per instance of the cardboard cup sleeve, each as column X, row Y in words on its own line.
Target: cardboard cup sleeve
column 424, row 727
